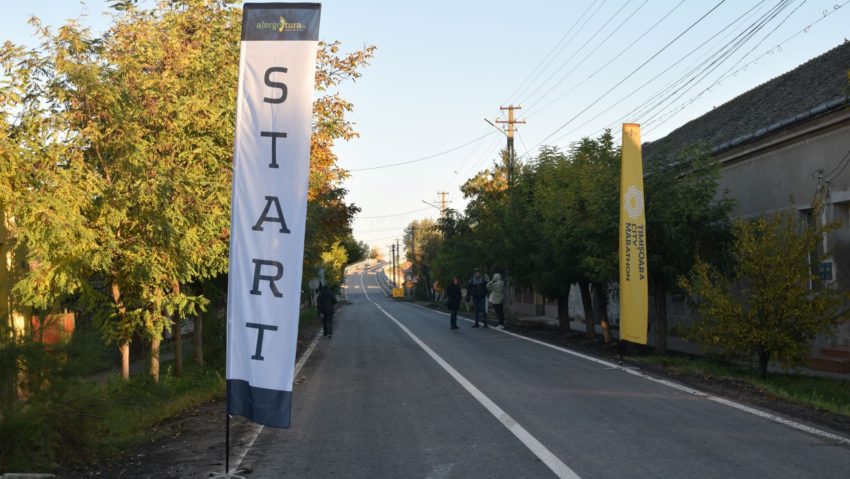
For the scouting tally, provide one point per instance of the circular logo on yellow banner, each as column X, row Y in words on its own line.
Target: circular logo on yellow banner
column 633, row 202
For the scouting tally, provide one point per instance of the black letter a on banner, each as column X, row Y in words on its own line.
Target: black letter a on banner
column 264, row 217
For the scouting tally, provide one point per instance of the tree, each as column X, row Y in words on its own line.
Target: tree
column 333, row 262
column 686, row 218
column 767, row 307
column 554, row 267
column 329, row 217
column 125, row 163
column 355, row 250
column 422, row 241
column 578, row 204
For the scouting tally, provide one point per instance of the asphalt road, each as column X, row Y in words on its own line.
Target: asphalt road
column 396, row 394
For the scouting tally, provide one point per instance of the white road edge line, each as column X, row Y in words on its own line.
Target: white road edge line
column 555, row 465
column 260, row 427
column 726, row 402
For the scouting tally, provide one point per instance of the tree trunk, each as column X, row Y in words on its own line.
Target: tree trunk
column 600, row 292
column 764, row 359
column 587, row 304
column 154, row 369
column 178, row 336
column 564, row 313
column 156, row 337
column 199, row 340
column 124, row 347
column 660, row 330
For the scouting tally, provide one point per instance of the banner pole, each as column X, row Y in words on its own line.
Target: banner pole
column 620, row 351
column 227, row 435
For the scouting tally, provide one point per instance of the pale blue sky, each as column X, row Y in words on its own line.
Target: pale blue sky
column 441, row 67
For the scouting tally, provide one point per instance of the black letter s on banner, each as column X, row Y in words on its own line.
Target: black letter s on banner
column 274, row 84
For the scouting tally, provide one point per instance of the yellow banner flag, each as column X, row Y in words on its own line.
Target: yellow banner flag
column 634, row 274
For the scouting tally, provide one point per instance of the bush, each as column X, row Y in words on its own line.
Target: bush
column 68, row 420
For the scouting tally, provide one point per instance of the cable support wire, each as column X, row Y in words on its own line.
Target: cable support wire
column 663, row 71
column 539, row 86
column 609, row 62
column 575, row 52
column 698, row 77
column 530, row 75
column 730, row 73
column 487, row 152
column 435, row 155
column 390, row 216
column 606, row 38
column 671, row 84
column 704, row 59
column 471, row 154
column 632, row 73
column 642, row 107
column 383, row 238
column 827, row 177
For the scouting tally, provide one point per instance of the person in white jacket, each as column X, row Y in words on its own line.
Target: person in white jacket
column 496, row 288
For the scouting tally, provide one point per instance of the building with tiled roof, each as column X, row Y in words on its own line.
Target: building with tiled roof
column 779, row 145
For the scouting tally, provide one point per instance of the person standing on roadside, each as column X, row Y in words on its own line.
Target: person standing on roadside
column 453, row 294
column 476, row 291
column 496, row 287
column 325, row 303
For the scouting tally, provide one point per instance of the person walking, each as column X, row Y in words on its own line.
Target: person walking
column 453, row 294
column 325, row 303
column 476, row 291
column 496, row 287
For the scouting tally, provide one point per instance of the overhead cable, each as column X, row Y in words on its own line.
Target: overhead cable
column 435, row 155
column 665, row 47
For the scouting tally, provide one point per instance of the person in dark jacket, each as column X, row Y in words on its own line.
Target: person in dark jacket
column 476, row 290
column 325, row 303
column 454, row 294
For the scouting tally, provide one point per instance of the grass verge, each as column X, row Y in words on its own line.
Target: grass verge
column 824, row 393
column 75, row 422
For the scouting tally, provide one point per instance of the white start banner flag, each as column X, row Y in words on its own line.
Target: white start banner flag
column 271, row 166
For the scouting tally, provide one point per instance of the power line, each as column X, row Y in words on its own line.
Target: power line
column 695, row 66
column 843, row 164
column 662, row 72
column 389, row 216
column 580, row 28
column 729, row 73
column 628, row 76
column 511, row 97
column 597, row 47
column 618, row 55
column 721, row 58
column 575, row 52
column 435, row 155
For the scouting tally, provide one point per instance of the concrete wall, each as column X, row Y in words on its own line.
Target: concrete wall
column 768, row 175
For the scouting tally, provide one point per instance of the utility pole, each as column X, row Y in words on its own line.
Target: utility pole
column 442, row 201
column 511, row 122
column 392, row 262
column 398, row 258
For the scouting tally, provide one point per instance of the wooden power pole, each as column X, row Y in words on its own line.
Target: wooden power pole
column 511, row 122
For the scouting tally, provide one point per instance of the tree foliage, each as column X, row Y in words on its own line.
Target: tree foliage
column 558, row 225
column 422, row 240
column 117, row 162
column 773, row 305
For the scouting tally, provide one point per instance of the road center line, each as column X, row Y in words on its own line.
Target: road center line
column 726, row 402
column 559, row 468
